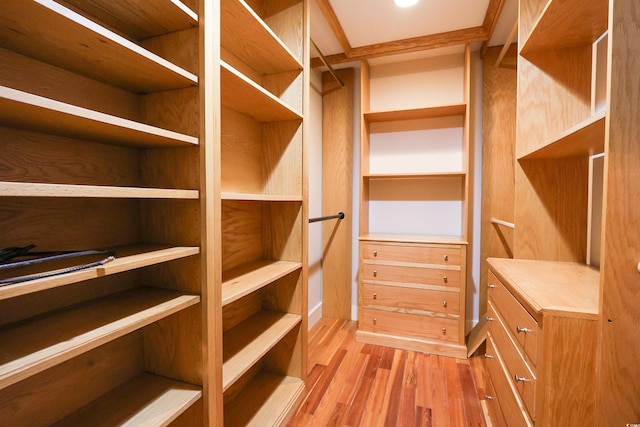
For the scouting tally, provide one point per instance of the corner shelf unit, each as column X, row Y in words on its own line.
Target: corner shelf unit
column 414, row 202
column 263, row 210
column 102, row 146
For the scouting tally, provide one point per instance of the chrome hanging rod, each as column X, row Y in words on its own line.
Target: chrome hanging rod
column 324, row 61
column 339, row 215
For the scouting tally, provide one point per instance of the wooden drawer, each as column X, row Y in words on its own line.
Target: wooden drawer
column 520, row 374
column 411, row 299
column 420, row 326
column 520, row 324
column 403, row 274
column 493, row 406
column 512, row 408
column 410, row 253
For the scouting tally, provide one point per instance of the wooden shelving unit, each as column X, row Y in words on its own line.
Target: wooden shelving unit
column 104, row 147
column 413, row 208
column 264, row 215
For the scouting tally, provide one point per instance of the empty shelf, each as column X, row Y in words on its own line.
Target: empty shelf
column 226, row 195
column 33, row 189
column 416, row 113
column 243, row 280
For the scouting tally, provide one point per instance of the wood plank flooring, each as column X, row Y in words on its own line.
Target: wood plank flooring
column 355, row 384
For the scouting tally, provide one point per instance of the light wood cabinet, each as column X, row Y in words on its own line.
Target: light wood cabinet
column 414, row 203
column 541, row 342
column 264, row 218
column 102, row 141
column 576, row 98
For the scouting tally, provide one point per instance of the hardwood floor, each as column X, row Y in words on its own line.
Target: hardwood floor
column 355, row 384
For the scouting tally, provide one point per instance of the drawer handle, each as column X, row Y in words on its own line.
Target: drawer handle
column 523, row 330
column 520, row 379
column 375, row 295
column 489, row 319
column 446, row 257
column 488, row 356
column 490, row 286
column 488, row 397
column 445, row 278
column 444, row 303
column 375, row 320
column 375, row 253
column 444, row 330
column 375, row 273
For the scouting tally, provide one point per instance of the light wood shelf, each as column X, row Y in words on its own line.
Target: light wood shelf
column 245, row 34
column 566, row 23
column 264, row 401
column 44, row 342
column 33, row 189
column 241, row 281
column 32, row 112
column 145, row 400
column 249, row 341
column 141, row 19
column 245, row 96
column 127, row 258
column 584, row 139
column 229, row 195
column 416, row 113
column 89, row 48
column 414, row 238
column 425, row 175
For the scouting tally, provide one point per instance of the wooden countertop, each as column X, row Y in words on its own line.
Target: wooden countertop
column 566, row 288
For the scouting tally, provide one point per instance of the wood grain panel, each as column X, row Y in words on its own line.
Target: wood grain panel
column 170, row 168
column 242, row 226
column 282, row 158
column 498, row 163
column 618, row 384
column 160, row 226
column 179, row 47
column 176, row 110
column 285, row 18
column 337, row 193
column 283, row 237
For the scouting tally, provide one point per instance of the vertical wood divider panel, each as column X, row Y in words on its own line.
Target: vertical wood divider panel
column 337, row 194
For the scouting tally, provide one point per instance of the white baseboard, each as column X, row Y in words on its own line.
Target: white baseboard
column 315, row 314
column 354, row 312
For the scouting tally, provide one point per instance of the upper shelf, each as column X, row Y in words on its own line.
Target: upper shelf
column 394, row 176
column 413, row 238
column 243, row 95
column 247, row 37
column 140, row 19
column 253, row 197
column 36, row 113
column 57, row 35
column 416, row 113
column 584, row 139
column 35, row 189
column 566, row 23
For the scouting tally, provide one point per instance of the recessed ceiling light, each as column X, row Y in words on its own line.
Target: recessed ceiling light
column 405, row 3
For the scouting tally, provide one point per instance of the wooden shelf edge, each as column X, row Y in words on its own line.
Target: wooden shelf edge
column 35, row 346
column 267, row 400
column 448, row 110
column 565, row 24
column 249, row 341
column 25, row 110
column 145, row 400
column 127, row 258
column 265, row 51
column 246, row 279
column 422, row 175
column 584, row 139
column 228, row 195
column 249, row 98
column 34, row 189
column 414, row 238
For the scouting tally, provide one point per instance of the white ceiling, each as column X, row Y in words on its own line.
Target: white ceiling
column 367, row 22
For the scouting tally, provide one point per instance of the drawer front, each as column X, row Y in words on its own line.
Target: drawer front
column 493, row 406
column 410, row 253
column 410, row 325
column 403, row 274
column 410, row 299
column 521, row 376
column 512, row 409
column 520, row 324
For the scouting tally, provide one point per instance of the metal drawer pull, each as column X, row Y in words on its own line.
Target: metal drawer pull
column 374, row 320
column 444, row 303
column 375, row 273
column 488, row 356
column 486, row 396
column 489, row 319
column 446, row 257
column 519, row 329
column 520, row 379
column 445, row 278
column 489, row 285
column 444, row 330
column 375, row 295
column 375, row 253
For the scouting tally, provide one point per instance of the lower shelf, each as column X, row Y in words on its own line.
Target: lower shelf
column 145, row 400
column 265, row 401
